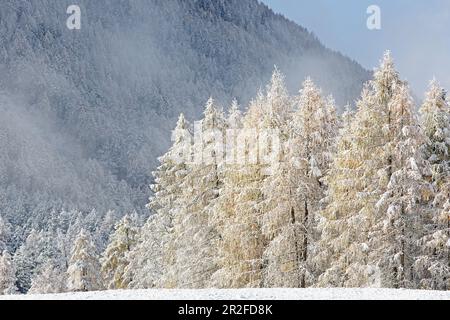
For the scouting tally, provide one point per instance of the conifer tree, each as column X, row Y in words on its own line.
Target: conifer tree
column 7, row 275
column 106, row 228
column 50, row 280
column 278, row 106
column 195, row 239
column 155, row 251
column 293, row 191
column 234, row 119
column 360, row 175
column 339, row 199
column 115, row 258
column 241, row 201
column 222, row 208
column 30, row 256
column 83, row 273
column 240, row 258
column 5, row 233
column 432, row 266
column 406, row 199
column 147, row 265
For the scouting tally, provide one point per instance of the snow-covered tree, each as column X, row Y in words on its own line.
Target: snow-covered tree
column 235, row 213
column 7, row 275
column 75, row 226
column 30, row 256
column 340, row 200
column 153, row 261
column 406, row 199
column 83, row 273
column 147, row 260
column 293, row 190
column 115, row 258
column 238, row 209
column 222, row 208
column 194, row 237
column 106, row 226
column 5, row 234
column 233, row 125
column 433, row 264
column 435, row 122
column 278, row 106
column 52, row 279
column 359, row 176
column 234, row 119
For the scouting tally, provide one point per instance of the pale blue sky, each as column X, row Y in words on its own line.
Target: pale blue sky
column 417, row 32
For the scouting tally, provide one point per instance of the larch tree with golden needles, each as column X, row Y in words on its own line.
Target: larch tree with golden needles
column 293, row 190
column 359, row 176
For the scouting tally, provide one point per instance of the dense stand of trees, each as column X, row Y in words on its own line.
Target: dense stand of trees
column 286, row 194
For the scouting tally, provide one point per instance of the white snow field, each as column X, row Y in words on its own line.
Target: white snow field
column 245, row 294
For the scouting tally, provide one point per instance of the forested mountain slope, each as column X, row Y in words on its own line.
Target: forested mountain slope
column 85, row 113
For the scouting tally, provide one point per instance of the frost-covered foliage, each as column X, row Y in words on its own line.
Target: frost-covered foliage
column 85, row 114
column 7, row 274
column 239, row 207
column 297, row 197
column 5, row 234
column 31, row 256
column 114, row 260
column 349, row 202
column 194, row 240
column 223, row 215
column 83, row 273
column 433, row 264
column 361, row 172
column 153, row 262
column 294, row 188
column 52, row 279
column 147, row 262
column 53, row 245
column 404, row 204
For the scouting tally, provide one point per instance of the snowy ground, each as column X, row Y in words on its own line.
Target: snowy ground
column 246, row 294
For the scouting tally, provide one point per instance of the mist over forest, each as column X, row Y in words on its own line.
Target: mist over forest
column 85, row 113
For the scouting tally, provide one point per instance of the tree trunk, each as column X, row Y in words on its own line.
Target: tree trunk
column 304, row 255
column 297, row 250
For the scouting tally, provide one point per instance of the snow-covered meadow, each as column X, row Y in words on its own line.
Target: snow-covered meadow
column 245, row 294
